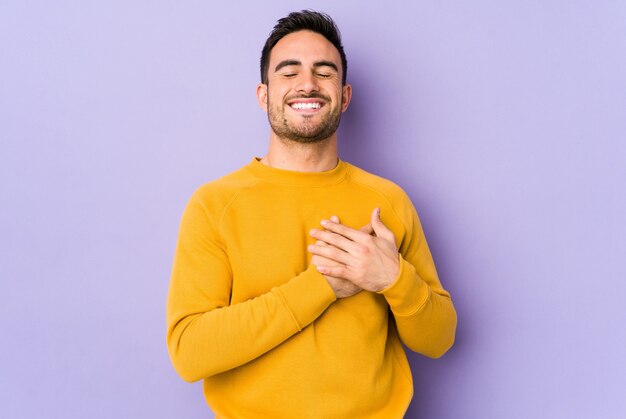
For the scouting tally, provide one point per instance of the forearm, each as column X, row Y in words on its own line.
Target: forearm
column 204, row 343
column 425, row 317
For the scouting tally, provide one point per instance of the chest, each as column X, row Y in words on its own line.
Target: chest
column 268, row 233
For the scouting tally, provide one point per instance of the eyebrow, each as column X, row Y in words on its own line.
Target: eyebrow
column 326, row 64
column 286, row 63
column 322, row 63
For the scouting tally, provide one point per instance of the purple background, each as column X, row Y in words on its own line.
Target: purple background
column 505, row 121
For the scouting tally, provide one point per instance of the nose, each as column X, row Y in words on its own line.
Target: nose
column 307, row 83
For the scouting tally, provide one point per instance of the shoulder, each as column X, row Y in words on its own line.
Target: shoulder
column 395, row 197
column 216, row 195
column 391, row 191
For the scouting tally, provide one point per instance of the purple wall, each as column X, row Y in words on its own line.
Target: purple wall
column 504, row 121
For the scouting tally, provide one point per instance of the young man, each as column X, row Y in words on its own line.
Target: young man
column 297, row 278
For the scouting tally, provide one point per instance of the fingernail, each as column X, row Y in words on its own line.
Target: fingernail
column 311, row 247
column 324, row 222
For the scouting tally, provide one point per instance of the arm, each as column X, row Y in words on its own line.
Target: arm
column 205, row 334
column 423, row 310
column 424, row 313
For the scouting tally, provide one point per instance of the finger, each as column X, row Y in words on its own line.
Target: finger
column 380, row 229
column 334, row 219
column 334, row 239
column 345, row 231
column 321, row 260
column 341, row 272
column 323, row 268
column 367, row 229
column 331, row 252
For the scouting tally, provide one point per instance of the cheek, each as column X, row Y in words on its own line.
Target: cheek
column 275, row 96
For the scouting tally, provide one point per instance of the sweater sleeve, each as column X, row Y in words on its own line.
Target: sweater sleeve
column 207, row 335
column 423, row 310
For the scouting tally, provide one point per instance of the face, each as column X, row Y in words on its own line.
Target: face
column 304, row 97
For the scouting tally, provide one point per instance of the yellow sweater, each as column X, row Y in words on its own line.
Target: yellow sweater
column 247, row 312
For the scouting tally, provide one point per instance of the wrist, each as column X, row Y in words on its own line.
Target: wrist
column 393, row 272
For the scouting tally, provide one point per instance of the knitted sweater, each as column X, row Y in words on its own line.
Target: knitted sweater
column 250, row 315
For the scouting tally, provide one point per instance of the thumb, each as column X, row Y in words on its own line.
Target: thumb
column 377, row 224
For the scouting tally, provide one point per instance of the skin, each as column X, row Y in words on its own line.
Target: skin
column 368, row 257
column 304, row 67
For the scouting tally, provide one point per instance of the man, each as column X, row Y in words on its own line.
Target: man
column 297, row 277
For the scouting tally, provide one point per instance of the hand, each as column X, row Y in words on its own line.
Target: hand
column 342, row 287
column 368, row 261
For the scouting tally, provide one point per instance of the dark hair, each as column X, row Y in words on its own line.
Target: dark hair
column 309, row 20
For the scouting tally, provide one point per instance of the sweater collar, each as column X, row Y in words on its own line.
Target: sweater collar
column 289, row 177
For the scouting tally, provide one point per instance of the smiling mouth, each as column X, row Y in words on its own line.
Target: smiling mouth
column 305, row 105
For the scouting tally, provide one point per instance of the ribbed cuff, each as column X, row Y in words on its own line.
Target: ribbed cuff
column 307, row 296
column 408, row 293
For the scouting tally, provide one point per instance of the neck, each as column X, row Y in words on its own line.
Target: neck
column 302, row 157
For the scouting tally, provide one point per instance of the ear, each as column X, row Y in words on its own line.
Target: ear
column 346, row 96
column 261, row 96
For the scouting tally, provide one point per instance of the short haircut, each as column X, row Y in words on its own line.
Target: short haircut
column 305, row 20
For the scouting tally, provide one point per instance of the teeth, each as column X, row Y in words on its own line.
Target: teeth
column 300, row 105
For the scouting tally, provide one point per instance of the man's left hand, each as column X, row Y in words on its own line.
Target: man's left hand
column 369, row 261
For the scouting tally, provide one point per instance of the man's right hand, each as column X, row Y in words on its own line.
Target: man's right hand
column 342, row 287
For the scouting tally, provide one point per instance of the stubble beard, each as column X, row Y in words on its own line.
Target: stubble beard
column 307, row 131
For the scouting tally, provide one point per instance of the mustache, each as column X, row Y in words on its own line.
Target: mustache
column 313, row 95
